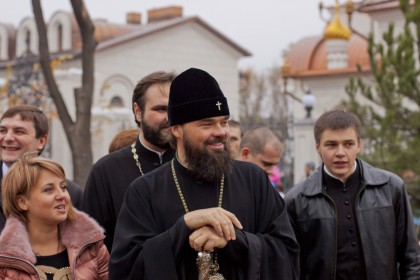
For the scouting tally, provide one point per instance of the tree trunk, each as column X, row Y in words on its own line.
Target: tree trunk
column 78, row 131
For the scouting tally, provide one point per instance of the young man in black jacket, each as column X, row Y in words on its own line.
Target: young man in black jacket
column 352, row 220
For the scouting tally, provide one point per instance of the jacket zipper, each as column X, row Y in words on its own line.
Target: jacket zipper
column 79, row 252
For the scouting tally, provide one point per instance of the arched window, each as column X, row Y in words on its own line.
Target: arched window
column 28, row 40
column 60, row 37
column 117, row 102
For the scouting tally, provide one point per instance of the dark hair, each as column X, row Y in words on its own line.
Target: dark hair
column 31, row 114
column 335, row 120
column 143, row 85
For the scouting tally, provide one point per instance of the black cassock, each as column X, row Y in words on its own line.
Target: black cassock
column 151, row 237
column 109, row 179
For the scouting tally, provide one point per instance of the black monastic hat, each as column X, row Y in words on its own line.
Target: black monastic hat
column 195, row 95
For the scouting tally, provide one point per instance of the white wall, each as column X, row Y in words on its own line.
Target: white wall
column 176, row 49
column 4, row 43
column 304, row 147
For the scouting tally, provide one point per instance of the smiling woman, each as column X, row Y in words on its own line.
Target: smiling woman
column 44, row 230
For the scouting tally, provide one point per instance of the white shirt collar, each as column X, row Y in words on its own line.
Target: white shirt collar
column 4, row 168
column 160, row 154
column 329, row 173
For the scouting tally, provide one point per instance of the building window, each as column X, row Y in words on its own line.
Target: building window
column 28, row 41
column 60, row 37
column 117, row 102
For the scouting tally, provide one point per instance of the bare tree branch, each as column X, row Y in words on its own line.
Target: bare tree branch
column 45, row 61
column 78, row 131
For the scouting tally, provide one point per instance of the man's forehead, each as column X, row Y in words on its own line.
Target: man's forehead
column 235, row 129
column 214, row 119
column 15, row 118
column 271, row 150
column 156, row 94
column 269, row 157
column 159, row 89
column 347, row 134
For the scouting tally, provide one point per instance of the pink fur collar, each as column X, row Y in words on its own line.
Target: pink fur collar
column 14, row 239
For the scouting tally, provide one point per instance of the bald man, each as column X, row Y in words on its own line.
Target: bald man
column 261, row 146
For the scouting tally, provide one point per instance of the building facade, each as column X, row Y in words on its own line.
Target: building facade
column 125, row 53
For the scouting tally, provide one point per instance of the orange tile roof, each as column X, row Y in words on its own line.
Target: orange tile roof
column 308, row 57
column 110, row 34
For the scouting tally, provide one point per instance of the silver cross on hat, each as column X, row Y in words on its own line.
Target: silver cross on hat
column 218, row 104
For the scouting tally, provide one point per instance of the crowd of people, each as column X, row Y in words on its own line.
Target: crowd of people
column 190, row 195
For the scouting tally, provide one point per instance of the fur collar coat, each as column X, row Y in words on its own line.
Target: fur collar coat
column 83, row 238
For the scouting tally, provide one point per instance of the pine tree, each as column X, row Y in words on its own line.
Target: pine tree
column 391, row 115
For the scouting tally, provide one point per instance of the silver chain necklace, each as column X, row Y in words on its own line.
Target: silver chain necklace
column 136, row 157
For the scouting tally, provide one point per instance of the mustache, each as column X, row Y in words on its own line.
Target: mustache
column 164, row 125
column 216, row 139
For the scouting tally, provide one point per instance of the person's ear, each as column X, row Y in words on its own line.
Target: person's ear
column 176, row 131
column 42, row 142
column 244, row 153
column 22, row 203
column 318, row 149
column 137, row 111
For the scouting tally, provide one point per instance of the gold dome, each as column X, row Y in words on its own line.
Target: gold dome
column 335, row 29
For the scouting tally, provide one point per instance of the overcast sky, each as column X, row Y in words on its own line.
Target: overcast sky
column 263, row 27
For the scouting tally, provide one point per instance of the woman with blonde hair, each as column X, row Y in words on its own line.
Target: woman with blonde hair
column 45, row 237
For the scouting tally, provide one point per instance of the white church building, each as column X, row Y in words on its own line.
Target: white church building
column 125, row 53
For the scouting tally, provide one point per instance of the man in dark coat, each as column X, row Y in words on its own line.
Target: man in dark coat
column 202, row 207
column 352, row 220
column 110, row 176
column 23, row 129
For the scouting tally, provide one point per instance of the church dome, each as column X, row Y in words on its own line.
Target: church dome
column 308, row 57
column 336, row 30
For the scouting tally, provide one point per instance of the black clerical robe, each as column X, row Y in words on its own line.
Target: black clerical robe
column 109, row 179
column 151, row 238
